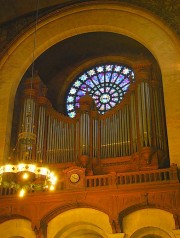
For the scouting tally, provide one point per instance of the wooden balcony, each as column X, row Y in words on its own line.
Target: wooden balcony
column 116, row 180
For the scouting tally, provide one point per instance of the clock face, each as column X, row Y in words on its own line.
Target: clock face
column 74, row 178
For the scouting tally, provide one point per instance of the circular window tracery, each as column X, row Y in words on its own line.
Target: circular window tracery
column 106, row 83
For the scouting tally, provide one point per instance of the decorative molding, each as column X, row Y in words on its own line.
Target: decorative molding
column 166, row 10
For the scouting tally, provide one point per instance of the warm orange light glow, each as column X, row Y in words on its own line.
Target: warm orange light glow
column 22, row 192
column 51, row 188
column 25, row 176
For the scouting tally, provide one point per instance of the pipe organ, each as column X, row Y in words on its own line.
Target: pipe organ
column 130, row 136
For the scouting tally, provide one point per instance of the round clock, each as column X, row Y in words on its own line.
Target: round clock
column 74, row 178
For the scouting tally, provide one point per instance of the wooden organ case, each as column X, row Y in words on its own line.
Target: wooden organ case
column 130, row 137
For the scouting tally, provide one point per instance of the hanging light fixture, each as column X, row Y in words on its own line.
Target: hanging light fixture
column 26, row 176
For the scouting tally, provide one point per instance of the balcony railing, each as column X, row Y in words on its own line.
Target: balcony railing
column 112, row 180
column 139, row 177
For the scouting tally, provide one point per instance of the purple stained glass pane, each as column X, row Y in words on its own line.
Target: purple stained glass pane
column 114, row 77
column 107, row 89
column 95, row 80
column 107, row 107
column 98, row 104
column 115, row 99
column 101, row 77
column 84, row 87
column 77, row 98
column 81, row 93
column 115, row 94
column 107, row 77
column 112, row 91
column 89, row 83
column 119, row 79
column 97, row 93
column 112, row 104
column 126, row 81
column 95, row 97
column 77, row 104
column 125, row 87
column 102, row 90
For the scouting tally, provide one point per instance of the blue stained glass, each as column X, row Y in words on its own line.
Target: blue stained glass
column 126, row 81
column 107, row 77
column 115, row 99
column 115, row 94
column 106, row 83
column 73, row 91
column 100, row 69
column 125, row 87
column 95, row 80
column 77, row 98
column 70, row 107
column 89, row 83
column 112, row 104
column 125, row 71
column 91, row 72
column 102, row 90
column 77, row 83
column 72, row 114
column 81, row 93
column 114, row 77
column 107, row 107
column 117, row 68
column 97, row 93
column 107, row 89
column 84, row 87
column 101, row 77
column 109, row 67
column 112, row 91
column 83, row 77
column 70, row 99
column 119, row 79
column 132, row 74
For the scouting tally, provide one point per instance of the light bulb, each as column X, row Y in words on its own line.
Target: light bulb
column 25, row 176
column 51, row 188
column 22, row 192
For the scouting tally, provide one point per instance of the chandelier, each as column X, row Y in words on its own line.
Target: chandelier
column 26, row 176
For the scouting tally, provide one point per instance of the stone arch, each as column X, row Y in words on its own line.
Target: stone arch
column 149, row 221
column 20, row 228
column 62, row 24
column 84, row 219
column 150, row 232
